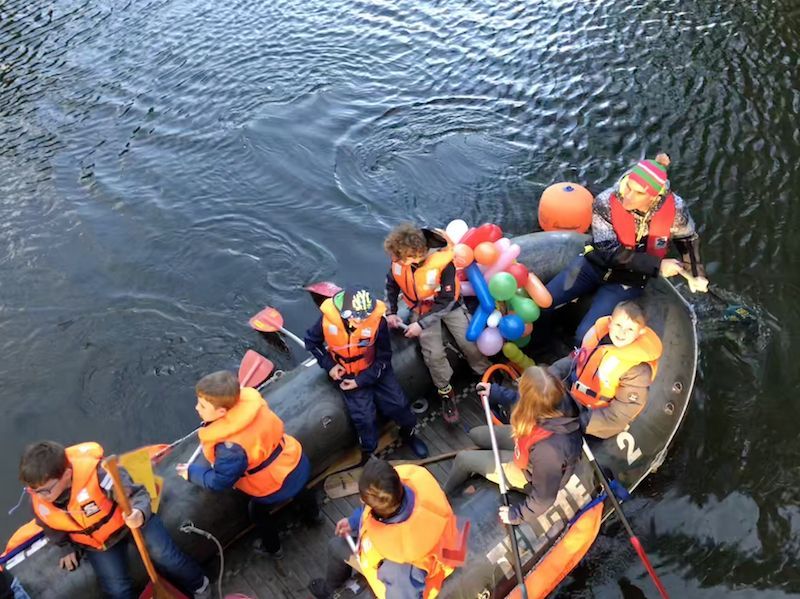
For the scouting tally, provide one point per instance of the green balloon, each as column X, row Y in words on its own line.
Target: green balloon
column 502, row 286
column 522, row 292
column 525, row 308
column 522, row 341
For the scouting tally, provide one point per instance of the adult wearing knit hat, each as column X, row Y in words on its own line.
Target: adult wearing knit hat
column 633, row 225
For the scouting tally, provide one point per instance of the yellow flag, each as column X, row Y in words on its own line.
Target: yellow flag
column 138, row 465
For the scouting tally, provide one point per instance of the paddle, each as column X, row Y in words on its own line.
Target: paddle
column 269, row 320
column 254, row 369
column 157, row 588
column 733, row 312
column 618, row 509
column 158, row 452
column 322, row 290
column 504, row 493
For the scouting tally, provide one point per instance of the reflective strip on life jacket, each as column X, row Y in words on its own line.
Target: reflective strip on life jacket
column 353, row 350
column 421, row 284
column 271, row 454
column 659, row 228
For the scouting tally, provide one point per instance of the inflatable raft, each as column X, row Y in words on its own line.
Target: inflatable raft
column 314, row 413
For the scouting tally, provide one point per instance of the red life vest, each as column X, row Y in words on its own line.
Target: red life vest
column 659, row 229
column 522, row 446
column 91, row 517
column 353, row 350
column 420, row 286
column 271, row 454
column 599, row 367
column 422, row 540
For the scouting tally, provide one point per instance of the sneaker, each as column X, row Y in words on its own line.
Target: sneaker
column 449, row 407
column 204, row 592
column 319, row 589
column 258, row 547
column 417, row 445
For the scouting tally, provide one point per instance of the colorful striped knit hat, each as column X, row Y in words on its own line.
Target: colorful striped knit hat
column 650, row 175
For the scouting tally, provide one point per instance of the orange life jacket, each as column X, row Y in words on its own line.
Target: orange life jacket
column 599, row 367
column 271, row 454
column 659, row 229
column 354, row 351
column 91, row 517
column 25, row 538
column 422, row 540
column 522, row 446
column 420, row 286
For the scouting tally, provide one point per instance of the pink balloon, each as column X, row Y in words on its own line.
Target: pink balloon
column 466, row 288
column 490, row 342
column 505, row 260
column 502, row 244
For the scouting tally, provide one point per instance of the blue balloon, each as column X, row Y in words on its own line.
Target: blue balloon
column 477, row 323
column 511, row 327
column 481, row 288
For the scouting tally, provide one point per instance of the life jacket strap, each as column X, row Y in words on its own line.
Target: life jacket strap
column 270, row 458
column 347, row 359
column 100, row 523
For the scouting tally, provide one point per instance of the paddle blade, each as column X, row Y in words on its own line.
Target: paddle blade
column 254, row 369
column 322, row 290
column 268, row 320
column 162, row 589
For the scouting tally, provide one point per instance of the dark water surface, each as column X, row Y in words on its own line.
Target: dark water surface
column 169, row 167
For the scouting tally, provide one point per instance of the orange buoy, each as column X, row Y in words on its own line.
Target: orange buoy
column 565, row 207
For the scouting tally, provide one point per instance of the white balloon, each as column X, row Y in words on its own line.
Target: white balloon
column 494, row 319
column 456, row 229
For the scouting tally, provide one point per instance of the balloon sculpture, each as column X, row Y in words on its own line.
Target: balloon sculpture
column 510, row 297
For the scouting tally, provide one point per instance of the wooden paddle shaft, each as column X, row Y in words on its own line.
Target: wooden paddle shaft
column 111, row 465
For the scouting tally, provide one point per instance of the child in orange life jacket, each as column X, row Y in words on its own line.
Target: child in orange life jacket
column 423, row 271
column 73, row 502
column 633, row 225
column 611, row 374
column 539, row 449
column 403, row 532
column 248, row 450
column 352, row 344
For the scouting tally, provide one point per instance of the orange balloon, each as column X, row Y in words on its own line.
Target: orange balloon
column 566, row 207
column 538, row 291
column 486, row 253
column 462, row 255
column 528, row 329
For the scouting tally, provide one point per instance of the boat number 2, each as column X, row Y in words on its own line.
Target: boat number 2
column 625, row 441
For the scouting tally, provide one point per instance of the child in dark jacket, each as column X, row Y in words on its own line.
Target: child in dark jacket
column 539, row 449
column 73, row 500
column 351, row 342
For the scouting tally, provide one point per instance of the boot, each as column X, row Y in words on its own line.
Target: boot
column 414, row 443
column 449, row 407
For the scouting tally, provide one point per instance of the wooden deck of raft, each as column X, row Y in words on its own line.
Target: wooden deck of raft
column 260, row 577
